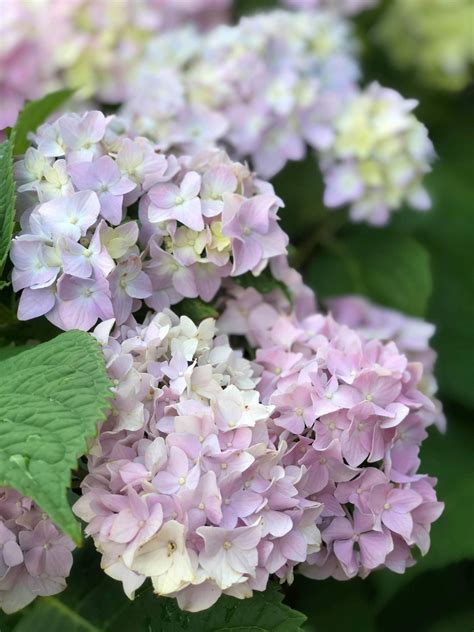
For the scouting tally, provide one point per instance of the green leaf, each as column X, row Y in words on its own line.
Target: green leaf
column 321, row 601
column 33, row 114
column 389, row 268
column 449, row 234
column 264, row 283
column 440, row 600
column 51, row 398
column 95, row 603
column 196, row 310
column 10, row 351
column 7, row 200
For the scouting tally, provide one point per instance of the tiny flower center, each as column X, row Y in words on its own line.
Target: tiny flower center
column 369, row 397
column 227, row 545
column 181, row 480
column 386, row 506
column 201, row 506
column 299, row 411
column 171, row 548
column 223, row 466
column 277, row 370
column 247, row 231
column 178, row 200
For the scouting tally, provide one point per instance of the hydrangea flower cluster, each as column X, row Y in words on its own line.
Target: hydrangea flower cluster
column 352, row 413
column 372, row 150
column 434, row 37
column 95, row 46
column 23, row 60
column 35, row 558
column 303, row 70
column 189, row 482
column 82, row 256
column 378, row 157
column 344, row 7
column 411, row 335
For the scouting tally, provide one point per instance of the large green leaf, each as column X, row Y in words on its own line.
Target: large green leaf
column 33, row 114
column 95, row 603
column 7, row 199
column 51, row 398
column 11, row 350
column 390, row 268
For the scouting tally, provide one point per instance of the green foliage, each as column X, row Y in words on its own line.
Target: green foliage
column 196, row 310
column 7, row 199
column 33, row 114
column 11, row 351
column 390, row 268
column 95, row 603
column 448, row 232
column 263, row 283
column 51, row 398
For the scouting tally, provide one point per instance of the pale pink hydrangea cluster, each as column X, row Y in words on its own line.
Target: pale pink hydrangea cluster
column 411, row 335
column 352, row 413
column 378, row 156
column 345, row 7
column 95, row 45
column 189, row 481
column 23, row 60
column 35, row 557
column 192, row 88
column 109, row 222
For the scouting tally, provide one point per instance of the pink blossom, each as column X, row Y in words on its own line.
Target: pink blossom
column 181, row 203
column 83, row 301
column 104, row 177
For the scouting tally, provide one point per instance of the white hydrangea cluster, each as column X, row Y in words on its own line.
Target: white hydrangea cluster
column 378, row 157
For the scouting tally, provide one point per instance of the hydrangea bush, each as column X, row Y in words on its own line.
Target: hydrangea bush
column 243, row 405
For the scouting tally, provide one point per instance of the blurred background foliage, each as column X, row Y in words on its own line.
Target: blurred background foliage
column 422, row 264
